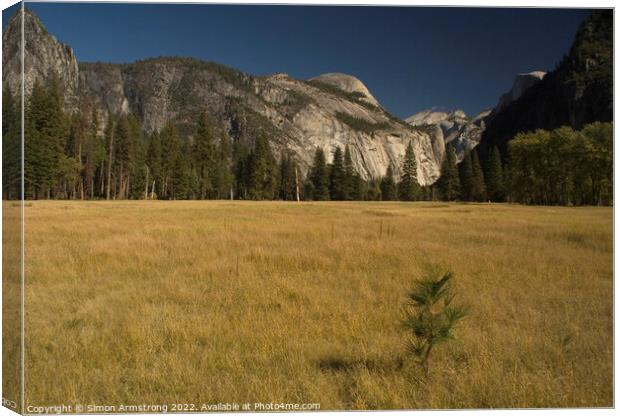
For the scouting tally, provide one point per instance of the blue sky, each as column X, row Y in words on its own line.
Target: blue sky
column 411, row 58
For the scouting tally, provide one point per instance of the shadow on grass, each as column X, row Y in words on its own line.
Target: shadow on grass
column 349, row 365
column 346, row 374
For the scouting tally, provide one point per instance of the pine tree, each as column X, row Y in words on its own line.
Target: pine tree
column 84, row 145
column 181, row 179
column 426, row 193
column 466, row 178
column 287, row 188
column 204, row 156
column 171, row 149
column 241, row 168
column 262, row 171
column 337, row 177
column 319, row 178
column 388, row 186
column 108, row 134
column 408, row 188
column 154, row 163
column 373, row 190
column 123, row 152
column 136, row 181
column 431, row 316
column 223, row 180
column 92, row 153
column 54, row 133
column 75, row 143
column 349, row 173
column 495, row 177
column 359, row 188
column 448, row 183
column 11, row 145
column 478, row 187
column 44, row 141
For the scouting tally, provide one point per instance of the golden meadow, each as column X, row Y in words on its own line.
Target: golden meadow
column 205, row 302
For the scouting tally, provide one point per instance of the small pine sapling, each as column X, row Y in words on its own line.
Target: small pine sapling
column 430, row 316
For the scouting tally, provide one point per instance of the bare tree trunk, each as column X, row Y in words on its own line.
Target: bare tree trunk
column 121, row 189
column 121, row 185
column 127, row 186
column 102, row 177
column 153, row 190
column 107, row 196
column 81, row 185
column 146, row 184
column 296, row 184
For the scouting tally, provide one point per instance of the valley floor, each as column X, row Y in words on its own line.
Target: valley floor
column 203, row 302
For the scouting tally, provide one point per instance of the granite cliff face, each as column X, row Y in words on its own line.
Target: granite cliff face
column 348, row 84
column 327, row 111
column 44, row 56
column 454, row 128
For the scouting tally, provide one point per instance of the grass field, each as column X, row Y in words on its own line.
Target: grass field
column 202, row 302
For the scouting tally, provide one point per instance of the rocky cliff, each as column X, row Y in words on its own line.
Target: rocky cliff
column 348, row 84
column 522, row 83
column 44, row 56
column 454, row 128
column 328, row 111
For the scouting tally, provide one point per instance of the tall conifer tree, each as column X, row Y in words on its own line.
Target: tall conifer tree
column 408, row 188
column 204, row 156
column 495, row 176
column 337, row 177
column 478, row 188
column 448, row 183
column 349, row 173
column 466, row 177
column 388, row 185
column 319, row 176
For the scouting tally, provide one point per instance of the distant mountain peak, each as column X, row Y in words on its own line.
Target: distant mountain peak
column 432, row 116
column 452, row 127
column 521, row 83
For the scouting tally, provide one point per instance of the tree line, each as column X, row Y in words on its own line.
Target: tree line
column 338, row 181
column 544, row 167
column 562, row 166
column 67, row 157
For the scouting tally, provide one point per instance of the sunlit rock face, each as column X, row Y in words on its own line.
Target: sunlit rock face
column 44, row 56
column 454, row 128
column 347, row 83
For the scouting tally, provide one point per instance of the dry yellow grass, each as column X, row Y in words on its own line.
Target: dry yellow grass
column 201, row 302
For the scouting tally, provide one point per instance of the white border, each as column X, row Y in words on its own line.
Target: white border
column 440, row 3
